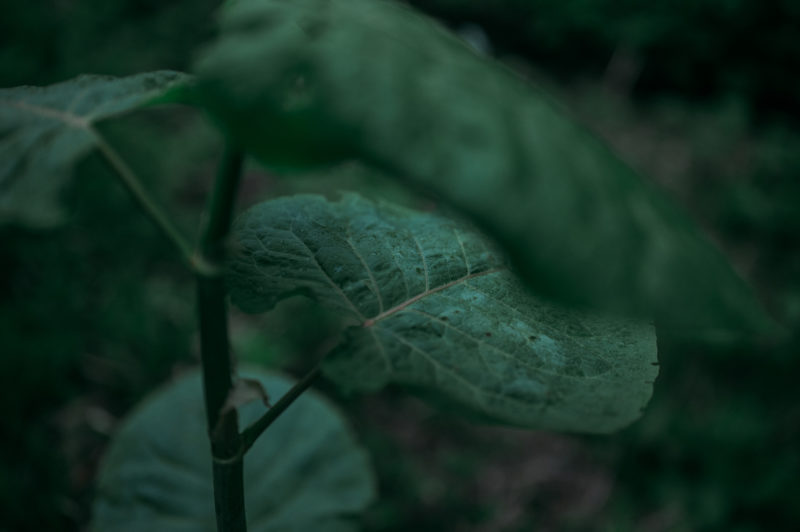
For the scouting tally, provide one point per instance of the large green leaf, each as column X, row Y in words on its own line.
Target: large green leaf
column 318, row 81
column 44, row 130
column 431, row 306
column 305, row 473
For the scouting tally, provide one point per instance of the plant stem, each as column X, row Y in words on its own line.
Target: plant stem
column 223, row 426
column 251, row 433
column 142, row 197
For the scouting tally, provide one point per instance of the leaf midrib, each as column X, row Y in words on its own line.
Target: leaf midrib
column 49, row 112
column 369, row 322
column 397, row 308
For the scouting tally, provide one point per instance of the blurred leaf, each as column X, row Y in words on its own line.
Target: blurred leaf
column 44, row 130
column 332, row 80
column 305, row 473
column 434, row 307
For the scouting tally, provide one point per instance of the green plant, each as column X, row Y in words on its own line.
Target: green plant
column 424, row 300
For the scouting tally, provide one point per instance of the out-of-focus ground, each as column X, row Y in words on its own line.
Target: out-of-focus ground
column 701, row 96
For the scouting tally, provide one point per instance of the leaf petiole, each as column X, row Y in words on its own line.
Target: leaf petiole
column 134, row 185
column 252, row 433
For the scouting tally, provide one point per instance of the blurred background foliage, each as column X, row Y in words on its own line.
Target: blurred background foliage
column 699, row 95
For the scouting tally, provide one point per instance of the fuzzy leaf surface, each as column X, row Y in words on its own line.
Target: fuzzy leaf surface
column 311, row 82
column 44, row 130
column 434, row 308
column 305, row 473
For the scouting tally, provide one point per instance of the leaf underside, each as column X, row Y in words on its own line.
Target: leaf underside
column 433, row 307
column 45, row 130
column 312, row 82
column 305, row 473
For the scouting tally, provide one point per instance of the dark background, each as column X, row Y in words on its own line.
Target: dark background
column 701, row 96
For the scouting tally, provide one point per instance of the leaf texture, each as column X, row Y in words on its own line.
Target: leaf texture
column 433, row 307
column 311, row 82
column 305, row 473
column 44, row 130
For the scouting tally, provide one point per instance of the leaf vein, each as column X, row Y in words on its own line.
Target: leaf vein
column 387, row 361
column 424, row 262
column 332, row 283
column 449, row 326
column 48, row 112
column 463, row 251
column 375, row 288
column 536, row 369
column 438, row 366
column 397, row 308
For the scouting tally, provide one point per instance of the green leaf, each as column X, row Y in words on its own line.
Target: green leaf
column 44, row 130
column 432, row 307
column 309, row 82
column 305, row 473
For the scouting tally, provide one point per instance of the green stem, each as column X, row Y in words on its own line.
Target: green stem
column 223, row 424
column 142, row 197
column 251, row 433
column 208, row 264
column 220, row 207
